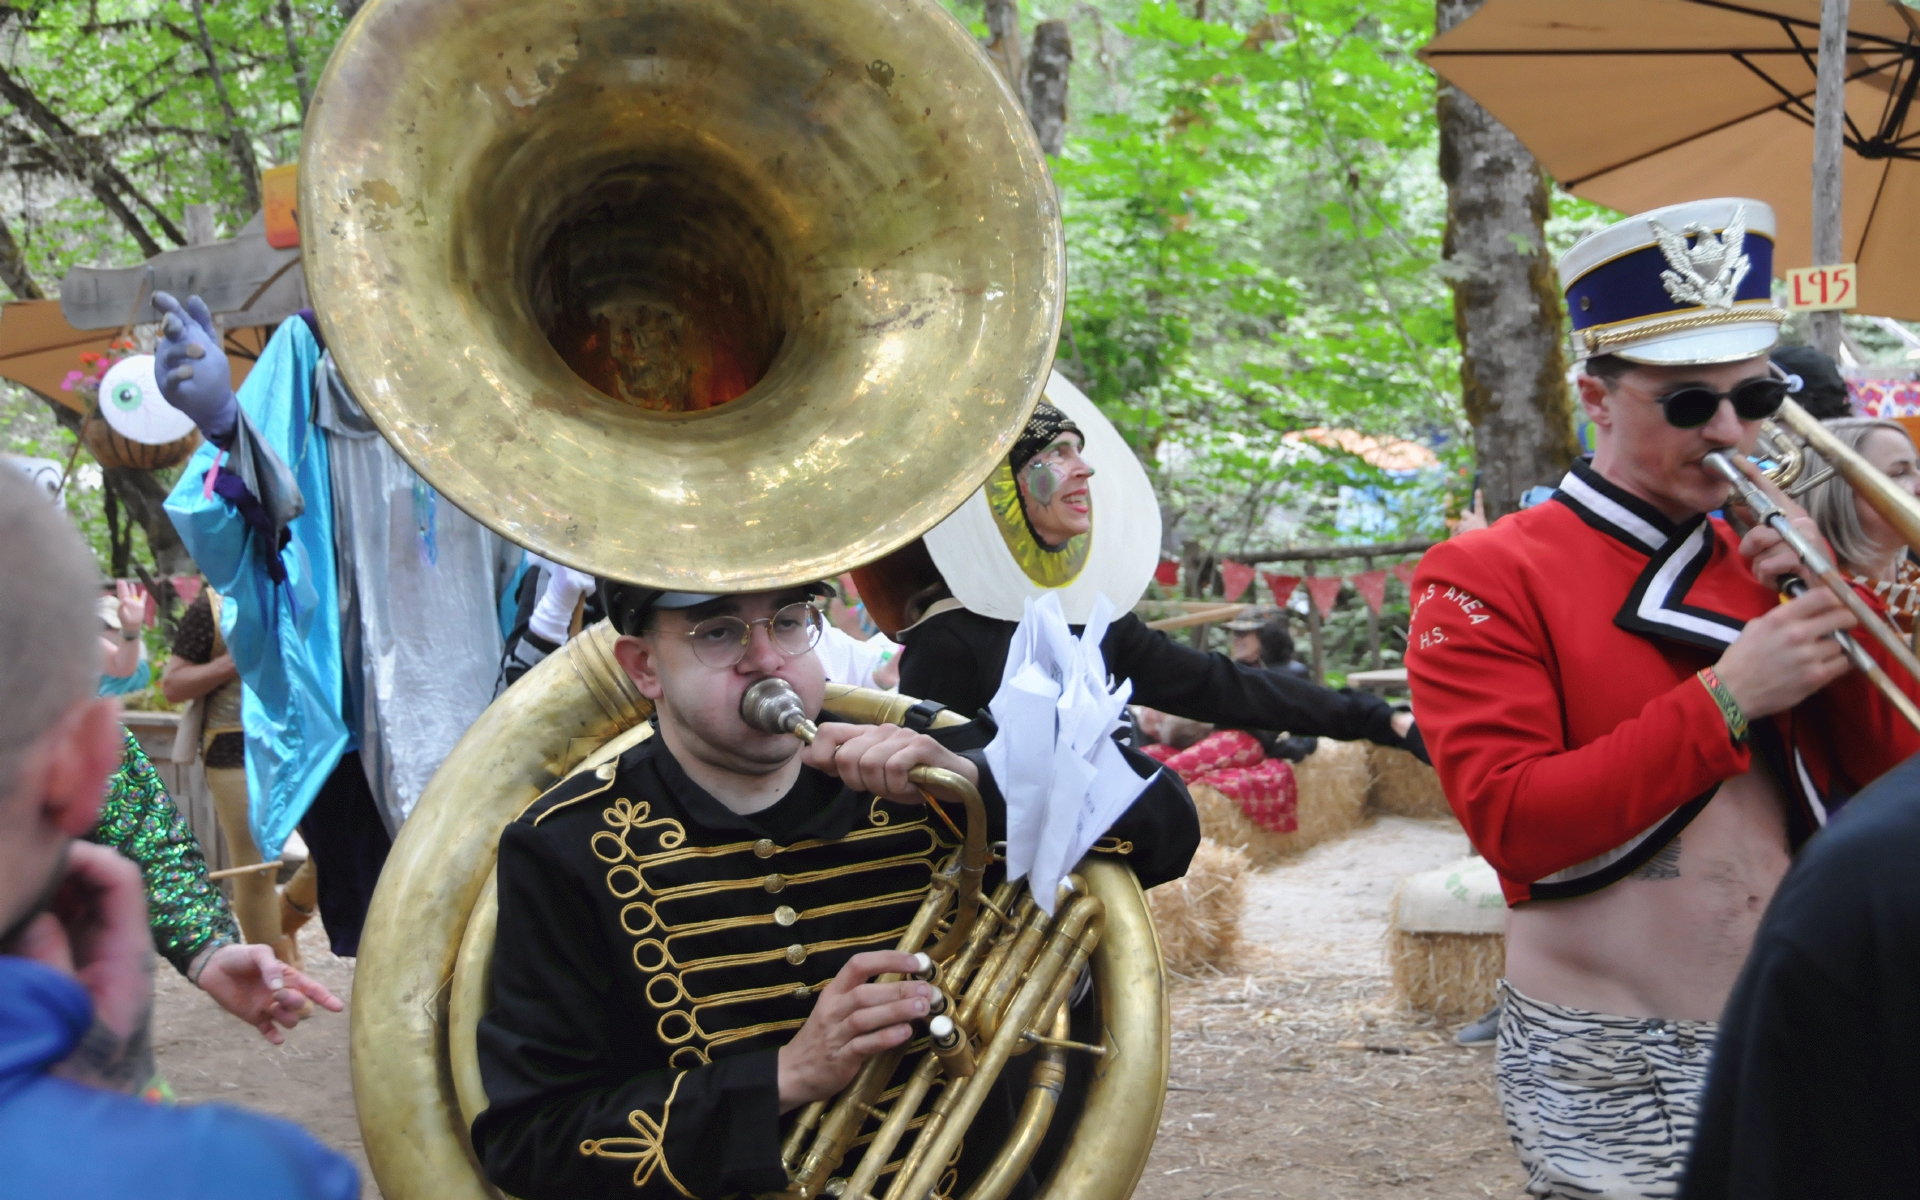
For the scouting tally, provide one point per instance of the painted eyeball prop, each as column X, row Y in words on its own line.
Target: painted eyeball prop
column 44, row 473
column 131, row 402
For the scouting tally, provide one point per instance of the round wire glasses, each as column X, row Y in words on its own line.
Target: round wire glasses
column 721, row 642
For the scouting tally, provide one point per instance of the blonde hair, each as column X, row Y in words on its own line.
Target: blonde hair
column 1831, row 504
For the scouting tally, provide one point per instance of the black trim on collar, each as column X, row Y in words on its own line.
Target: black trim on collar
column 1657, row 604
column 1590, row 495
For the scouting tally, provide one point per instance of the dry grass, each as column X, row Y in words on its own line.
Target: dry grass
column 1405, row 786
column 1304, row 1086
column 1198, row 916
column 1448, row 976
column 1333, row 800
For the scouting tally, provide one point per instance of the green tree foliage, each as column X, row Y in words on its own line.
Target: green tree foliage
column 1253, row 224
column 120, row 113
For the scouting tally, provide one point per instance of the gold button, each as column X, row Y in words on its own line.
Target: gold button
column 775, row 882
column 784, row 916
column 802, row 991
column 607, row 770
column 796, row 954
column 764, row 848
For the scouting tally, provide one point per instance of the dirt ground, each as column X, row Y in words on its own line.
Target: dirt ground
column 1293, row 1075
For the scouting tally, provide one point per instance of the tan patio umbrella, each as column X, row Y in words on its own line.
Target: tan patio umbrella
column 1641, row 103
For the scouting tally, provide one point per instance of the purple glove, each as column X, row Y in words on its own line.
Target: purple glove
column 191, row 369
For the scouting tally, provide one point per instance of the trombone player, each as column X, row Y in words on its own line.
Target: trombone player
column 1633, row 728
column 688, row 936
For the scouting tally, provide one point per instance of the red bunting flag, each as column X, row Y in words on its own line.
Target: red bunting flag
column 1235, row 576
column 1282, row 586
column 1324, row 589
column 1372, row 586
column 1167, row 574
column 1404, row 571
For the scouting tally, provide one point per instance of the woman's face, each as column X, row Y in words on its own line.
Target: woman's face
column 1893, row 455
column 1053, row 487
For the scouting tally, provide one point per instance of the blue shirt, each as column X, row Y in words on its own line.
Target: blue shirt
column 60, row 1139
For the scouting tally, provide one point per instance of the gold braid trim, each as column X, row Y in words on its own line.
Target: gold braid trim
column 1598, row 341
column 648, row 1150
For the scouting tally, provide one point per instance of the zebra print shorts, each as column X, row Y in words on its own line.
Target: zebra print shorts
column 1599, row 1107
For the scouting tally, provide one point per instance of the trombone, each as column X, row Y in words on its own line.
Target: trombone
column 1900, row 510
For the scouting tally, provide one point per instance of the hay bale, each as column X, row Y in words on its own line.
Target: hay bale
column 1198, row 916
column 1333, row 800
column 1447, row 948
column 1450, row 976
column 1405, row 786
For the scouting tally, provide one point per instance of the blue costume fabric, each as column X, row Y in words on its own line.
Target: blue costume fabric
column 61, row 1140
column 284, row 636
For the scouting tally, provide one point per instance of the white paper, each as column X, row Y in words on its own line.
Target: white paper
column 1054, row 758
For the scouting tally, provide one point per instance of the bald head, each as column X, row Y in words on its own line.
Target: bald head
column 49, row 630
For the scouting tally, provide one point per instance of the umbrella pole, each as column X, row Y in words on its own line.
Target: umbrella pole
column 1829, row 128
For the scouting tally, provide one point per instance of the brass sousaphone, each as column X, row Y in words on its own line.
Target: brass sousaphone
column 712, row 295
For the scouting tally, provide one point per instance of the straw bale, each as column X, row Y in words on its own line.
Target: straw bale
column 1405, row 786
column 1198, row 916
column 1333, row 800
column 1449, row 976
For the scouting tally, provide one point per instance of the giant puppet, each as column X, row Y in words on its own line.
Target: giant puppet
column 362, row 610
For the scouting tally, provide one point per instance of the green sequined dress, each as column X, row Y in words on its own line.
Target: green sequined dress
column 187, row 910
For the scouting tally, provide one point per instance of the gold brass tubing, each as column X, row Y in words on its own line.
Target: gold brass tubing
column 1058, row 1044
column 1036, row 1114
column 892, row 1129
column 1900, row 509
column 1126, row 1090
column 994, row 998
column 803, row 1125
column 974, row 855
column 1064, row 945
column 936, row 1120
column 871, row 706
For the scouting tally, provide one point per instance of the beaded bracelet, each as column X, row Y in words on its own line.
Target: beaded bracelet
column 1729, row 707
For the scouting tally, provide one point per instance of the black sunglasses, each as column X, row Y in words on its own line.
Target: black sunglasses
column 1693, row 406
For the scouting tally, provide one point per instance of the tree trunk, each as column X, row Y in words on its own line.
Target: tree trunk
column 237, row 143
column 1507, row 309
column 144, row 498
column 13, row 267
column 294, row 60
column 1003, row 43
column 1047, row 83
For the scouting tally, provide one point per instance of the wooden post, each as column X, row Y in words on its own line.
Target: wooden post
column 1829, row 150
column 1313, row 632
column 1373, row 625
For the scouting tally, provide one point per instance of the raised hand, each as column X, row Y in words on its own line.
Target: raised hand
column 191, row 369
column 250, row 983
column 852, row 1021
column 1785, row 656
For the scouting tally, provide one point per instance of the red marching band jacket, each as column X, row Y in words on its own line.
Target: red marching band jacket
column 1552, row 662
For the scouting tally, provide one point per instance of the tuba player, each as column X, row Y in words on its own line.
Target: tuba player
column 688, row 936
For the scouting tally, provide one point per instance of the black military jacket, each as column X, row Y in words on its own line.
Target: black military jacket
column 655, row 950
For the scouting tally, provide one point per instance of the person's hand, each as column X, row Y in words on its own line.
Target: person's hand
column 1473, row 518
column 250, row 983
column 877, row 758
column 95, row 930
column 852, row 1021
column 1401, row 722
column 133, row 605
column 1766, row 552
column 1787, row 655
column 191, row 369
column 227, row 672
